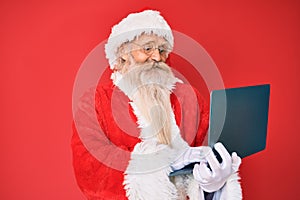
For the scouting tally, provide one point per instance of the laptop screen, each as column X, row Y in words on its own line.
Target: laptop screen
column 239, row 118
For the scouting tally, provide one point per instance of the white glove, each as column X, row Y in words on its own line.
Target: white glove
column 190, row 155
column 213, row 179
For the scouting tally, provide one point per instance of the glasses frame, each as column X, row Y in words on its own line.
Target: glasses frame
column 149, row 48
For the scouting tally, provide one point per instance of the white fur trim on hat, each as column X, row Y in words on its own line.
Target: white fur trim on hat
column 148, row 21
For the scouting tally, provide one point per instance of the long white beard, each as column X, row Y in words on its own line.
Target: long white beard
column 149, row 86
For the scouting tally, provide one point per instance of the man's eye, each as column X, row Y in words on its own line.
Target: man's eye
column 161, row 50
column 148, row 48
column 122, row 60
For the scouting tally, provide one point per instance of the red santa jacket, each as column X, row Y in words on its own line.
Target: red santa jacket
column 104, row 136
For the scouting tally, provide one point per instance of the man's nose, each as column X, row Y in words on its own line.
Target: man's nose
column 156, row 56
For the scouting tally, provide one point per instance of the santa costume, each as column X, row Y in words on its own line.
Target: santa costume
column 115, row 163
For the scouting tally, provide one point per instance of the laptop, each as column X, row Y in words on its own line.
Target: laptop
column 238, row 119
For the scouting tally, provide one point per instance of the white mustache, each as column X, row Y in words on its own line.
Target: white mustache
column 139, row 75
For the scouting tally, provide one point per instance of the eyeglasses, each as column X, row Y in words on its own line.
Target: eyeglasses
column 150, row 47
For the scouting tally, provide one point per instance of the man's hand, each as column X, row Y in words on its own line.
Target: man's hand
column 213, row 178
column 190, row 155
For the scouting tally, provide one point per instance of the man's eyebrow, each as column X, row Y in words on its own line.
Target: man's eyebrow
column 152, row 41
column 148, row 41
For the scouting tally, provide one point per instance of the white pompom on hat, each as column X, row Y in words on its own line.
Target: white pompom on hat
column 135, row 24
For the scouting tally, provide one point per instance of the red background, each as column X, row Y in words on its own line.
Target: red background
column 44, row 42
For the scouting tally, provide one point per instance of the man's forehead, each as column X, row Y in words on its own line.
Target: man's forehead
column 145, row 38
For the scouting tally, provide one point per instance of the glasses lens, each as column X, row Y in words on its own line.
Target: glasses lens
column 164, row 49
column 148, row 48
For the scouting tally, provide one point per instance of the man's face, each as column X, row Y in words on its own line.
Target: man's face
column 145, row 48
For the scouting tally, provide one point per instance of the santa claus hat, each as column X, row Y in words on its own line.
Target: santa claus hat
column 148, row 21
